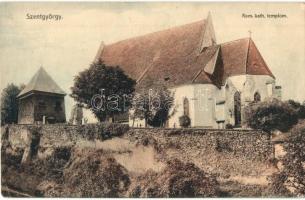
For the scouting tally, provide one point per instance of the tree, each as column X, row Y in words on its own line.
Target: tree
column 9, row 104
column 105, row 90
column 153, row 105
column 271, row 115
column 299, row 108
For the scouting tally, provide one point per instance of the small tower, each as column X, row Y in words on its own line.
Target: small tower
column 41, row 101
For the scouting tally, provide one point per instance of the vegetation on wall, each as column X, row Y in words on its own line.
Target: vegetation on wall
column 293, row 172
column 9, row 104
column 103, row 89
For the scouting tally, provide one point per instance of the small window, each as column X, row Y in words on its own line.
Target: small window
column 257, row 97
column 58, row 106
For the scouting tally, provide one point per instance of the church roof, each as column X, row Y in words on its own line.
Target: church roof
column 242, row 57
column 175, row 56
column 42, row 82
column 171, row 56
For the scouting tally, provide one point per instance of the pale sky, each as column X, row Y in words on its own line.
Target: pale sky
column 68, row 46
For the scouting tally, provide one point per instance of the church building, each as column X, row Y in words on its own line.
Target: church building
column 41, row 101
column 211, row 82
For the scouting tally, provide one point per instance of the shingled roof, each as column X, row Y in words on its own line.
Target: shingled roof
column 174, row 57
column 41, row 82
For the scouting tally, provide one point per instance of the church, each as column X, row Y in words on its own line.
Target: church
column 212, row 83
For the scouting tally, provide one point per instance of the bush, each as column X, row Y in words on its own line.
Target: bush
column 229, row 126
column 93, row 173
column 299, row 108
column 177, row 179
column 102, row 131
column 184, row 121
column 293, row 173
column 271, row 115
column 276, row 186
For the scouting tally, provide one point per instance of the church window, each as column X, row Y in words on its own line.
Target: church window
column 186, row 110
column 237, row 109
column 257, row 97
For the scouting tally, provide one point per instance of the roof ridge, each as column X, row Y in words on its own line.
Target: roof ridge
column 156, row 32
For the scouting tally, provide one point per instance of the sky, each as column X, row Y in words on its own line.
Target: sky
column 67, row 46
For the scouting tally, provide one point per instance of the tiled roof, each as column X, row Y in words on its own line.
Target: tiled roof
column 42, row 82
column 173, row 57
column 242, row 57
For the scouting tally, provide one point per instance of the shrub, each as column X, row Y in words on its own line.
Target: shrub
column 299, row 108
column 177, row 179
column 271, row 115
column 184, row 121
column 102, row 131
column 229, row 126
column 93, row 173
column 293, row 173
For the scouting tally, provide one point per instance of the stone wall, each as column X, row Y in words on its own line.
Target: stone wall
column 20, row 137
column 222, row 152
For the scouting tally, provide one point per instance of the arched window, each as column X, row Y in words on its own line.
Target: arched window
column 237, row 109
column 186, row 107
column 257, row 97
